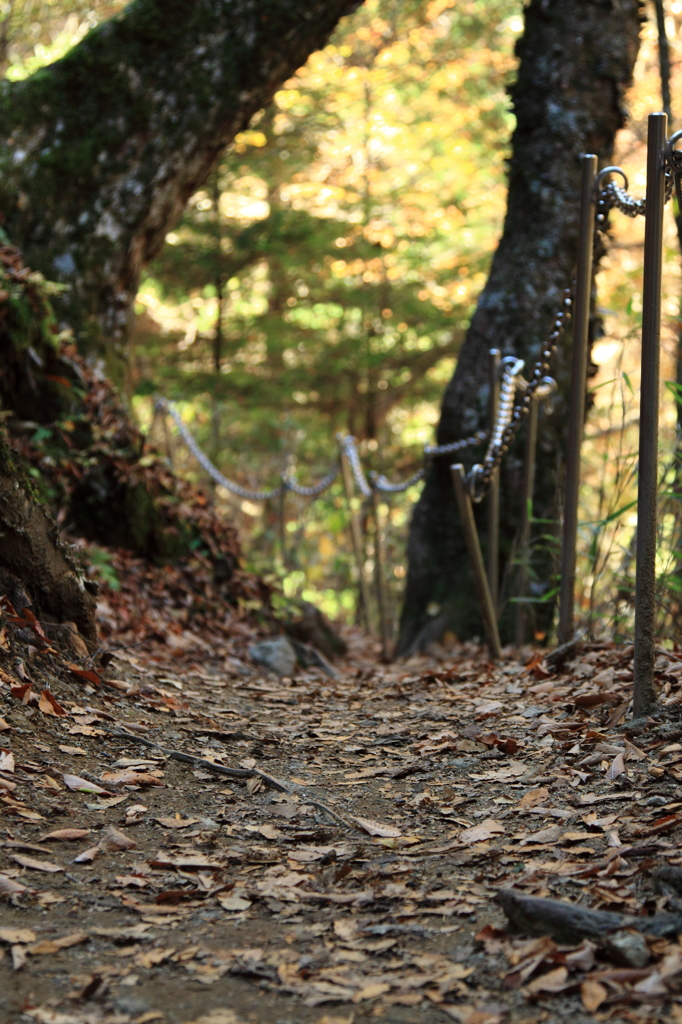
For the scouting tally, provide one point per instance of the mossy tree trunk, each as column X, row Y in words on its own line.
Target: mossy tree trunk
column 99, row 154
column 576, row 60
column 100, row 151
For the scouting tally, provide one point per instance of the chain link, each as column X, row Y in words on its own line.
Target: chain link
column 510, row 413
column 288, row 483
column 349, row 448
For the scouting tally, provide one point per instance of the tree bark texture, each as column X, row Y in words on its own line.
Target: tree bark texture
column 576, row 61
column 33, row 558
column 100, row 151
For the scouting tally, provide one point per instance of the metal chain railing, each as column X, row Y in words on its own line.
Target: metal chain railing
column 348, row 445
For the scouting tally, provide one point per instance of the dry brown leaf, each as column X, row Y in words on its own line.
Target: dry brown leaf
column 593, row 994
column 377, row 828
column 47, row 946
column 130, row 778
column 113, row 840
column 483, row 831
column 234, row 904
column 49, row 706
column 18, row 957
column 533, row 798
column 65, row 834
column 36, row 865
column 87, row 856
column 4, row 725
column 6, row 761
column 12, row 936
column 176, row 822
column 617, row 768
column 9, row 887
column 546, row 835
column 83, row 786
column 553, row 981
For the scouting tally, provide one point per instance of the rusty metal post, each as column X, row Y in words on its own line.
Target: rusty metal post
column 380, row 577
column 495, row 357
column 521, row 617
column 647, row 491
column 281, row 513
column 581, row 321
column 168, row 437
column 356, row 537
column 466, row 512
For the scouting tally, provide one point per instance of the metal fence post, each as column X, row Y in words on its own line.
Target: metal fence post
column 379, row 576
column 466, row 512
column 356, row 537
column 524, row 533
column 281, row 513
column 581, row 320
column 494, row 487
column 647, row 491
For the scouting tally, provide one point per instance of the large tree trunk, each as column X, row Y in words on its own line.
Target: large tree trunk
column 100, row 151
column 576, row 60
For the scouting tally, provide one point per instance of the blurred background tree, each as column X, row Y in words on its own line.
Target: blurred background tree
column 324, row 279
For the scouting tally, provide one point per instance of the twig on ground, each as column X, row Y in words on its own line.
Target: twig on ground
column 235, row 773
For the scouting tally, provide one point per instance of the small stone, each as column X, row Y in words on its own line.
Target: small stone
column 627, row 948
column 277, row 655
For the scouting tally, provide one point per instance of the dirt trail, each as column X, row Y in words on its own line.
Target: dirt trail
column 244, row 903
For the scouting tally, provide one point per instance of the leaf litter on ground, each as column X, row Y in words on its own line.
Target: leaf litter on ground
column 350, row 865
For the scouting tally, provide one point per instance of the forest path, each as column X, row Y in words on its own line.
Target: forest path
column 245, row 904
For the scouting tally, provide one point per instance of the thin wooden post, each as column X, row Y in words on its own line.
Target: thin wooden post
column 647, row 490
column 466, row 512
column 380, row 577
column 281, row 512
column 581, row 322
column 357, row 540
column 495, row 357
column 521, row 617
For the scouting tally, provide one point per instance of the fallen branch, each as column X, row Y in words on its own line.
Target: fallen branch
column 568, row 922
column 234, row 773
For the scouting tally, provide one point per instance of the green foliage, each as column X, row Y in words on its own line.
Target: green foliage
column 323, row 279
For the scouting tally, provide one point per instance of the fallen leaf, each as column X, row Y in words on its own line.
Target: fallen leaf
column 87, row 856
column 49, row 706
column 113, row 840
column 36, row 865
column 8, row 886
column 545, row 835
column 86, row 674
column 6, row 761
column 371, row 991
column 481, row 832
column 593, row 994
column 553, row 981
column 176, row 822
column 129, row 778
column 17, row 935
column 65, row 834
column 617, row 768
column 233, row 903
column 377, row 828
column 48, row 946
column 83, row 786
column 532, row 798
column 593, row 700
column 18, row 957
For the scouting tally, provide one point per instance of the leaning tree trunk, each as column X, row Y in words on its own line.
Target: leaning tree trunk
column 100, row 151
column 576, row 60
